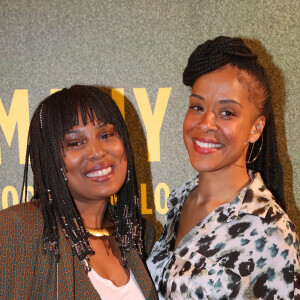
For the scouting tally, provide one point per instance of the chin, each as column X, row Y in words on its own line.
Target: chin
column 204, row 167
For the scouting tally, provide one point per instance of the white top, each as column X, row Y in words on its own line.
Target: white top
column 108, row 291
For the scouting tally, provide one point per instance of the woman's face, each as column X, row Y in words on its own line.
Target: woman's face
column 96, row 163
column 219, row 121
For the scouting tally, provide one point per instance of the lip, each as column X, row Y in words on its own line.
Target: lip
column 212, row 145
column 105, row 170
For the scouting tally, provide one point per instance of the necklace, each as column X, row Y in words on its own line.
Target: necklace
column 98, row 232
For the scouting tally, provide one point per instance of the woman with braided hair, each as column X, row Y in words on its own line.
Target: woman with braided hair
column 226, row 234
column 70, row 241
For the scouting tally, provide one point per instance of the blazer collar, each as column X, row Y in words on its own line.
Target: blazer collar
column 73, row 281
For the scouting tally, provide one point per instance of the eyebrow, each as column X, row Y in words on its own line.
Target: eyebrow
column 231, row 101
column 197, row 96
column 76, row 131
column 73, row 131
column 221, row 101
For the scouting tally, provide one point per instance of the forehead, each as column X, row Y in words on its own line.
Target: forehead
column 220, row 84
column 77, row 128
column 86, row 117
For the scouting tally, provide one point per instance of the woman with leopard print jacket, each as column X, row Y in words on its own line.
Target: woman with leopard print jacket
column 226, row 234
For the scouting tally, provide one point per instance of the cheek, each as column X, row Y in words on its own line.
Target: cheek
column 186, row 122
column 123, row 162
column 119, row 153
column 184, row 133
column 234, row 134
column 124, row 167
column 230, row 133
column 188, row 125
column 71, row 162
column 121, row 172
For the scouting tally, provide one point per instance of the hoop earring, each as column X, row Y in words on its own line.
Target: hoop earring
column 249, row 161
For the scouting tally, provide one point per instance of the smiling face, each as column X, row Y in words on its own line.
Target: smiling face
column 219, row 121
column 95, row 160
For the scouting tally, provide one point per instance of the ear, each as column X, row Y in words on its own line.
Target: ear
column 257, row 129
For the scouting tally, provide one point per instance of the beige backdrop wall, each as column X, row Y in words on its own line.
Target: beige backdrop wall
column 139, row 49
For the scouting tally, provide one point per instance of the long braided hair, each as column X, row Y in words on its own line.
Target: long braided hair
column 52, row 120
column 214, row 54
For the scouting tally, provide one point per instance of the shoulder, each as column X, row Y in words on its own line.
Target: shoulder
column 258, row 218
column 21, row 232
column 26, row 215
column 181, row 191
column 266, row 219
column 259, row 201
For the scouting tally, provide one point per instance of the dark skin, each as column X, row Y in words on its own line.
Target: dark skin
column 96, row 168
column 193, row 211
column 220, row 123
column 107, row 261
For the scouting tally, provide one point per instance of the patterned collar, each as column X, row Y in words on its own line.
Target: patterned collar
column 253, row 199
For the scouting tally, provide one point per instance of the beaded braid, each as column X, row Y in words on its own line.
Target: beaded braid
column 52, row 120
column 214, row 54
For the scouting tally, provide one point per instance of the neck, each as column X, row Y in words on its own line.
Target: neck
column 93, row 213
column 222, row 185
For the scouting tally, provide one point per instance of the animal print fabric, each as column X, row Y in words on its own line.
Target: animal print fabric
column 246, row 249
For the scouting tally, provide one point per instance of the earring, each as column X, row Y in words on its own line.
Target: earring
column 65, row 178
column 249, row 161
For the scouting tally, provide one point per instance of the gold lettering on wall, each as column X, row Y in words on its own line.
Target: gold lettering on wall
column 11, row 191
column 17, row 119
column 157, row 199
column 18, row 116
column 118, row 96
column 52, row 91
column 144, row 209
column 153, row 121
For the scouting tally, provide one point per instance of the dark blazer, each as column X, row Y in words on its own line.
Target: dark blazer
column 27, row 272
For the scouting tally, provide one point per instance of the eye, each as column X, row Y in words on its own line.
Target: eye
column 227, row 114
column 106, row 135
column 74, row 144
column 197, row 107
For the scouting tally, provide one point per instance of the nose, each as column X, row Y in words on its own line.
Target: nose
column 95, row 150
column 208, row 122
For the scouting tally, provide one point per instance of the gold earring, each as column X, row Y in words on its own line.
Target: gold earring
column 249, row 161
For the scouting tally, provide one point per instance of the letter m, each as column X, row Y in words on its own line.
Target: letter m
column 18, row 115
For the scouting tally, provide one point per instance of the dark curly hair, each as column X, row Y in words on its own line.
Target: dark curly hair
column 216, row 53
column 52, row 120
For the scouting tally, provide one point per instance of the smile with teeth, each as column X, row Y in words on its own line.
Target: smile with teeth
column 100, row 173
column 207, row 145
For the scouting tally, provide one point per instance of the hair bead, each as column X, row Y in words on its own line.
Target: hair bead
column 45, row 148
